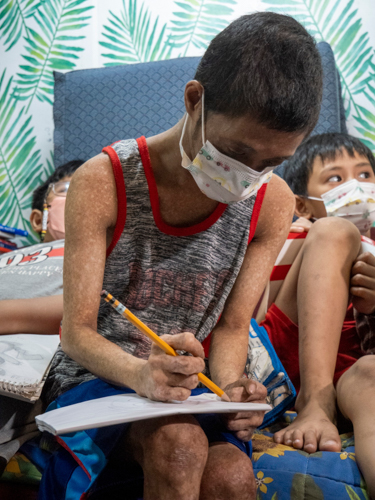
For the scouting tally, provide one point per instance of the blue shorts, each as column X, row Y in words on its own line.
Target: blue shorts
column 78, row 467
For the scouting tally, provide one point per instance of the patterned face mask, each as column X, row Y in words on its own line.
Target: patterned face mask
column 220, row 177
column 352, row 200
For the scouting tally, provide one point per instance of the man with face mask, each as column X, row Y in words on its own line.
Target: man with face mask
column 183, row 228
column 320, row 340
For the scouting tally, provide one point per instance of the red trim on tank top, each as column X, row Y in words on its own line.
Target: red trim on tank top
column 121, row 197
column 154, row 199
column 256, row 211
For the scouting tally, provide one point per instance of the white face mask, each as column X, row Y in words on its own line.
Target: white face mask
column 219, row 177
column 352, row 200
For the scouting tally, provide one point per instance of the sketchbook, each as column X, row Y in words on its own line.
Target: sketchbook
column 123, row 408
column 24, row 364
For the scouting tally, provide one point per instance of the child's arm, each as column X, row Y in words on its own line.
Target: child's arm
column 362, row 283
column 363, row 295
column 41, row 315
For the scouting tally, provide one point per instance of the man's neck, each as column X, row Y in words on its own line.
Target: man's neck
column 165, row 153
column 181, row 201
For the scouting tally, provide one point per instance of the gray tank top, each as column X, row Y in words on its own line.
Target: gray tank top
column 174, row 279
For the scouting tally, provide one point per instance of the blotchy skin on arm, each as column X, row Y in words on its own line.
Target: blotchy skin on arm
column 41, row 315
column 93, row 186
column 92, row 198
column 230, row 337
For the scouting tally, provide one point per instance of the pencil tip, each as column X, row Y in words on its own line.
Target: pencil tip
column 103, row 292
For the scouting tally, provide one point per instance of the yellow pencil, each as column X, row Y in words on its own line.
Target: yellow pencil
column 121, row 309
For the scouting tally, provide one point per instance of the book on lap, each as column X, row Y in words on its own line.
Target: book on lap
column 25, row 360
column 123, row 408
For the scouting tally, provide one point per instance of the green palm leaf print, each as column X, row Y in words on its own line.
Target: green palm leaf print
column 20, row 162
column 13, row 15
column 196, row 22
column 132, row 36
column 52, row 47
column 338, row 23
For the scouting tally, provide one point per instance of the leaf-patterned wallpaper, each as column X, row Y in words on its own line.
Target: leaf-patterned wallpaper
column 40, row 36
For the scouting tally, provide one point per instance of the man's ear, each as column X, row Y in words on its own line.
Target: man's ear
column 36, row 218
column 303, row 207
column 193, row 98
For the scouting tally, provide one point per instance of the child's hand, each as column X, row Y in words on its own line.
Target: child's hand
column 301, row 225
column 362, row 283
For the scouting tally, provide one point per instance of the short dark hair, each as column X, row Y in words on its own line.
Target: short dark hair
column 65, row 170
column 267, row 65
column 327, row 147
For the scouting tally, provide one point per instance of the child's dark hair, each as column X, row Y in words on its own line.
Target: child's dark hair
column 326, row 147
column 267, row 65
column 65, row 170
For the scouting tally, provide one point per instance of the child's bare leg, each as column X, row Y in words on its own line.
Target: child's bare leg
column 316, row 297
column 356, row 400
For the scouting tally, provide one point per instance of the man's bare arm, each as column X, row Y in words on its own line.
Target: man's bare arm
column 41, row 315
column 91, row 211
column 90, row 216
column 230, row 337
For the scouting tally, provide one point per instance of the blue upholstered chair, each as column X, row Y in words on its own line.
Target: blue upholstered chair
column 95, row 107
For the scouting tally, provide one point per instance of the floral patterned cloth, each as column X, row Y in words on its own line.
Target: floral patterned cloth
column 284, row 473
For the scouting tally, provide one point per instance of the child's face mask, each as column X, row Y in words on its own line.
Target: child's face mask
column 56, row 224
column 220, row 177
column 352, row 200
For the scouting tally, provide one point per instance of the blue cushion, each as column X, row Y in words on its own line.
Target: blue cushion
column 285, row 473
column 330, row 112
column 95, row 107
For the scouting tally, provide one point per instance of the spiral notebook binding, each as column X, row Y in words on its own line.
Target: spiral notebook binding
column 18, row 387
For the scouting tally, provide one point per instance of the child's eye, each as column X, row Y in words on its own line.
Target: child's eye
column 334, row 178
column 364, row 175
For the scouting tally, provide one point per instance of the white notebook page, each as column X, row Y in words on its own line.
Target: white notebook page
column 123, row 408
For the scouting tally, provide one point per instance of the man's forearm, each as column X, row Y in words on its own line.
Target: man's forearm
column 228, row 352
column 100, row 356
column 41, row 315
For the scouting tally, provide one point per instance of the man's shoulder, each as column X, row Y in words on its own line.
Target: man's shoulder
column 277, row 207
column 279, row 190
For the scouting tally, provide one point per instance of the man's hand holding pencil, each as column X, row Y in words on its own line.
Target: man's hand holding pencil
column 164, row 377
column 187, row 343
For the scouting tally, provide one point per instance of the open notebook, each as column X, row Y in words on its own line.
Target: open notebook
column 123, row 408
column 24, row 363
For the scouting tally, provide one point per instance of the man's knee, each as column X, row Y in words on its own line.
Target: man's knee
column 176, row 448
column 335, row 231
column 237, row 478
column 229, row 474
